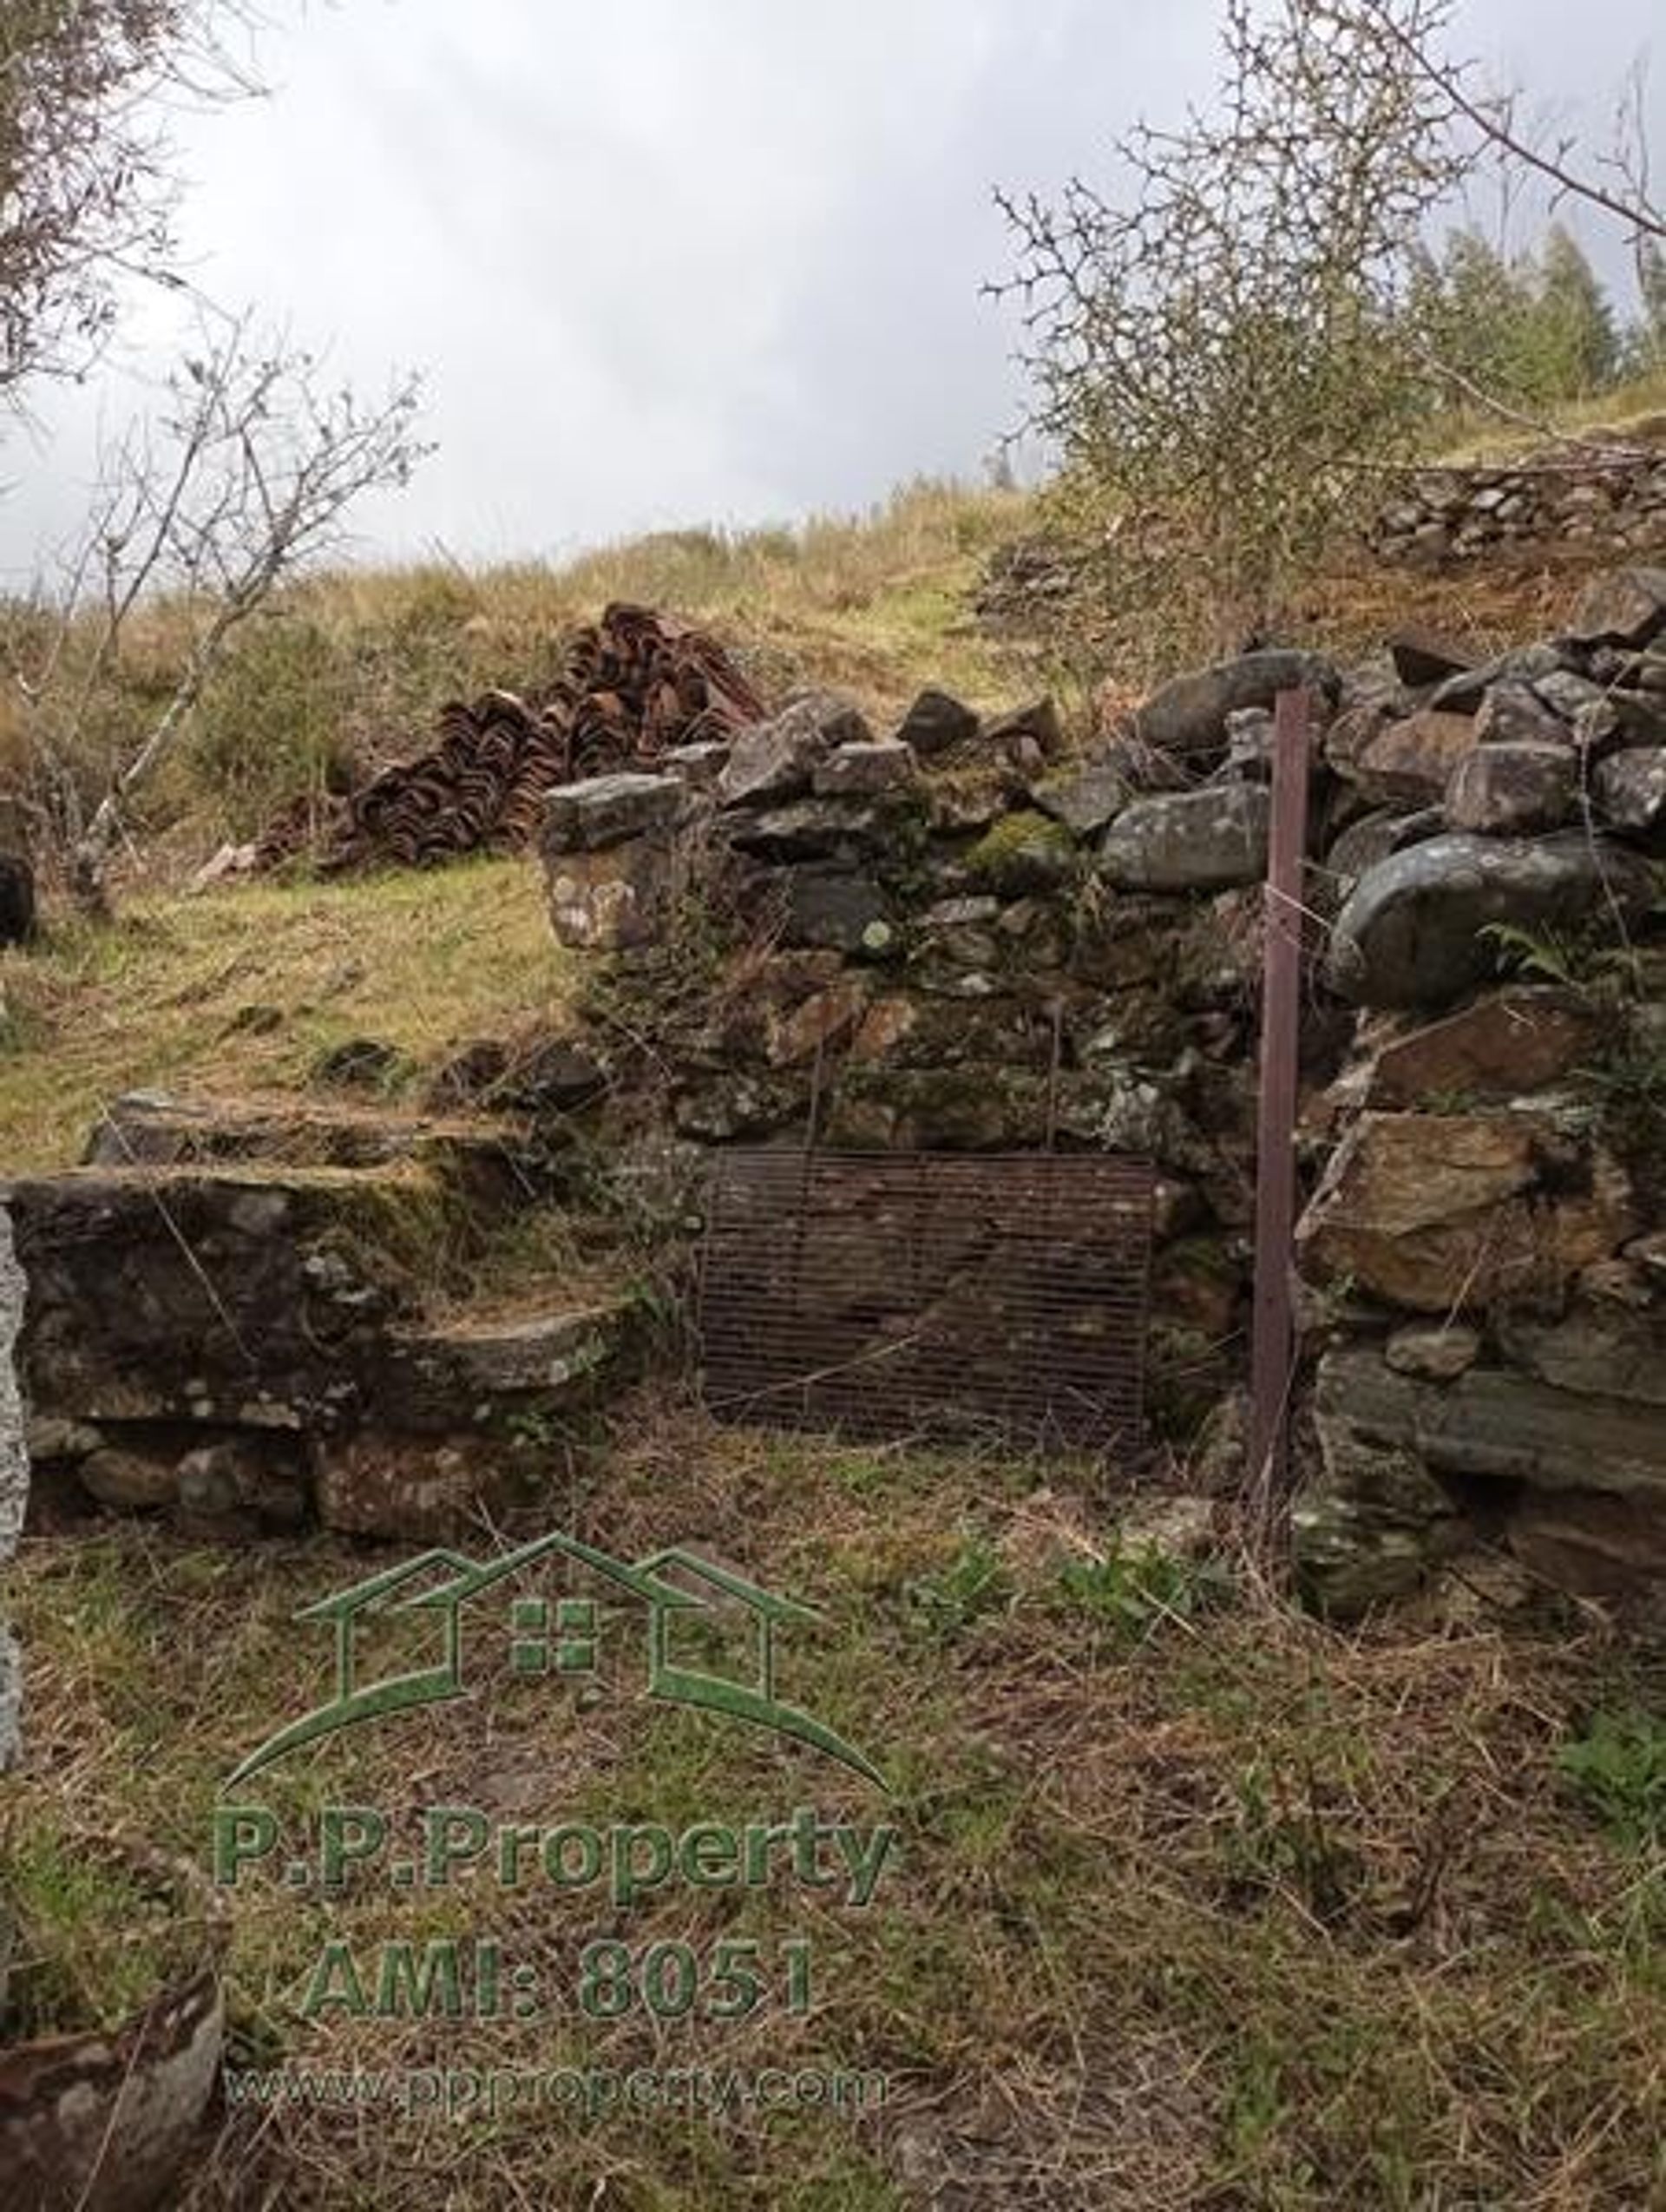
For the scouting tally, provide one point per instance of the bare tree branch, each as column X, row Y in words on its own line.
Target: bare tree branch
column 246, row 477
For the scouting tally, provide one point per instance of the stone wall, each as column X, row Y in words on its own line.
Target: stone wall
column 1611, row 502
column 953, row 935
column 962, row 934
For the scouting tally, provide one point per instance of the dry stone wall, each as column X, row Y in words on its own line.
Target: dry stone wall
column 956, row 934
column 1609, row 501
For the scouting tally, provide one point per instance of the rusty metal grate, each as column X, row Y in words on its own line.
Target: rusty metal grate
column 898, row 1294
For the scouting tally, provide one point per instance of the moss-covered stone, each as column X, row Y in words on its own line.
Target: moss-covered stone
column 1024, row 853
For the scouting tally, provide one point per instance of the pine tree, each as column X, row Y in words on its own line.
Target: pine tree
column 1577, row 338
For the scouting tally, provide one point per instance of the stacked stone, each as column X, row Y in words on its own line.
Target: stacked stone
column 1612, row 501
column 1484, row 1248
column 953, row 935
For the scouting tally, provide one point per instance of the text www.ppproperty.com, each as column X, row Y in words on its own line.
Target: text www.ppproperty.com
column 582, row 2092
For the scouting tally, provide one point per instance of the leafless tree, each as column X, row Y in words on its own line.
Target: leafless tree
column 242, row 479
column 1616, row 184
column 87, row 178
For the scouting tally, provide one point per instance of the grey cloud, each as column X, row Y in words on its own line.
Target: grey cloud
column 690, row 259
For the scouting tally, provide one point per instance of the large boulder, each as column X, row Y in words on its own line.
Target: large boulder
column 1444, row 1212
column 1205, row 840
column 1413, row 930
column 1188, row 715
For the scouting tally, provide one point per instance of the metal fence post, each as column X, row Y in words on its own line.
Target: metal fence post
column 1280, row 1008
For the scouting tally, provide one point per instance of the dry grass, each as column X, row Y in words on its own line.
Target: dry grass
column 349, row 669
column 1632, row 411
column 1226, row 1911
column 242, row 990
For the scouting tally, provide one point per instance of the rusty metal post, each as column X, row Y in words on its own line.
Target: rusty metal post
column 1281, row 1009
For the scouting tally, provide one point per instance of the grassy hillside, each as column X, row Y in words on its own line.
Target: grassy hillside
column 347, row 669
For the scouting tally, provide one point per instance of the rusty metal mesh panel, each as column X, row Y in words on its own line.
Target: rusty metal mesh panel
column 929, row 1293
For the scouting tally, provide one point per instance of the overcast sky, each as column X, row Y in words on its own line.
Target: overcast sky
column 676, row 260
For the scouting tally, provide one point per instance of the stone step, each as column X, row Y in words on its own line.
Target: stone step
column 495, row 1160
column 443, row 1373
column 252, row 1294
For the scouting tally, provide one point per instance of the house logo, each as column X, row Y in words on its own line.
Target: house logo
column 442, row 1593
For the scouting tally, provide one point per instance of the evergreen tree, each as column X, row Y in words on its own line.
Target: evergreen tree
column 1576, row 336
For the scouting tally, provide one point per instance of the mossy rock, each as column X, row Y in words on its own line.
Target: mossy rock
column 1023, row 854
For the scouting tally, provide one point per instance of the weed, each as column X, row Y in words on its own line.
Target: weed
column 1130, row 1591
column 1616, row 1767
column 973, row 1585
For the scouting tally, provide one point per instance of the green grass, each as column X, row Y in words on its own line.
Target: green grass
column 1233, row 1910
column 242, row 990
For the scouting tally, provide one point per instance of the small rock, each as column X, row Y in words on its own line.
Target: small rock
column 17, row 899
column 1463, row 694
column 1374, row 835
column 1630, row 790
column 361, row 1064
column 604, row 810
column 1403, row 762
column 1084, row 802
column 1439, row 1212
column 841, row 909
column 1509, row 788
column 1024, row 852
column 131, row 1480
column 937, row 724
column 1188, row 715
column 50, row 1438
column 827, row 1018
column 1627, row 607
column 1421, row 658
column 1437, row 1353
column 1500, row 1047
column 864, row 769
column 1036, row 724
column 554, row 1077
column 814, row 829
column 1182, row 1526
column 777, row 759
column 697, row 766
column 1517, row 714
column 616, row 897
column 1571, row 697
